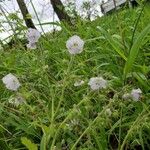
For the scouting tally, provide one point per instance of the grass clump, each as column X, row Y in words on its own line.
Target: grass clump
column 55, row 114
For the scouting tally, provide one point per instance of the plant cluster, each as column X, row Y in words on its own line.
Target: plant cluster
column 84, row 88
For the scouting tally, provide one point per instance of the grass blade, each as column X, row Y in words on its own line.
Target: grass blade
column 113, row 43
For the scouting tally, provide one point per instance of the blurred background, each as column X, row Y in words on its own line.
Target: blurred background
column 42, row 10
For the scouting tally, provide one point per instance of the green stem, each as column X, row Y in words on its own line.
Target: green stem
column 120, row 128
column 91, row 124
column 68, row 117
column 37, row 16
column 138, row 120
column 64, row 85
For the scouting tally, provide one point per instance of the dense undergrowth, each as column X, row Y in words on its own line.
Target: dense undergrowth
column 57, row 115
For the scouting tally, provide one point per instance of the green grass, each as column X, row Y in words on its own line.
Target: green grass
column 58, row 115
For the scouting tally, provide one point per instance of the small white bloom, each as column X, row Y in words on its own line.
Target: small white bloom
column 97, row 83
column 136, row 94
column 11, row 82
column 33, row 35
column 79, row 83
column 108, row 112
column 31, row 45
column 126, row 96
column 75, row 45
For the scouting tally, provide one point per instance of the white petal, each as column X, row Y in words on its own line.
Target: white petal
column 136, row 94
column 11, row 82
column 33, row 35
column 75, row 45
column 97, row 83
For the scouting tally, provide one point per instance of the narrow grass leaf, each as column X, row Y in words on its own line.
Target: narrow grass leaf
column 114, row 44
column 43, row 142
column 29, row 145
column 134, row 50
column 142, row 80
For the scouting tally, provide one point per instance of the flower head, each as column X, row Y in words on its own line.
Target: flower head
column 97, row 83
column 33, row 36
column 136, row 94
column 11, row 82
column 75, row 45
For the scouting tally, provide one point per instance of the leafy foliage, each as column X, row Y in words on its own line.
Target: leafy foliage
column 58, row 115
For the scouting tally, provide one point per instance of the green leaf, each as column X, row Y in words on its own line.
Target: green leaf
column 113, row 43
column 43, row 142
column 29, row 145
column 134, row 50
column 47, row 133
column 142, row 80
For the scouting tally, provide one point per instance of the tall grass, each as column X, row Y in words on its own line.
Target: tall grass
column 58, row 115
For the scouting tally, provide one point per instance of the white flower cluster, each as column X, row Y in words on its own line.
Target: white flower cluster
column 33, row 36
column 135, row 95
column 11, row 82
column 97, row 83
column 75, row 45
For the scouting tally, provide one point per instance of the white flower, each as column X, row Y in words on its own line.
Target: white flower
column 79, row 83
column 136, row 94
column 75, row 45
column 33, row 35
column 97, row 83
column 11, row 82
column 126, row 96
column 108, row 112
